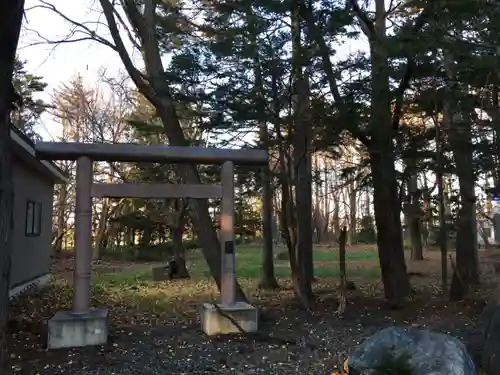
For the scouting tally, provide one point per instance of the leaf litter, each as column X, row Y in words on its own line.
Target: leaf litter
column 155, row 328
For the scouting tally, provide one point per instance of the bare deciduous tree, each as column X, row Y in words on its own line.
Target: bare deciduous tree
column 89, row 115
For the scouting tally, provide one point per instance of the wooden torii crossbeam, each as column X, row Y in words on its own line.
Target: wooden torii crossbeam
column 86, row 153
column 143, row 153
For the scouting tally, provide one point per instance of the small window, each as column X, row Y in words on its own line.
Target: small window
column 33, row 219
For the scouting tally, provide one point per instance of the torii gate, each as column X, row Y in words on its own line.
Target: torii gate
column 87, row 326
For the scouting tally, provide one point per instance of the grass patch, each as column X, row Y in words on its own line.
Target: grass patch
column 129, row 285
column 333, row 255
column 248, row 263
column 248, row 267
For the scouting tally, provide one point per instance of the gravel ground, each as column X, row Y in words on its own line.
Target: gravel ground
column 182, row 349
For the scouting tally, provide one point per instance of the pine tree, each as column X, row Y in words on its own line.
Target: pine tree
column 26, row 115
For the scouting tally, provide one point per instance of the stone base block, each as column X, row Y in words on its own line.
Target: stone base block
column 215, row 323
column 68, row 329
column 160, row 273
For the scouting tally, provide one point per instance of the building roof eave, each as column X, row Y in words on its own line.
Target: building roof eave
column 27, row 145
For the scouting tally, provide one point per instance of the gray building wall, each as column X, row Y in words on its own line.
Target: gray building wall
column 31, row 256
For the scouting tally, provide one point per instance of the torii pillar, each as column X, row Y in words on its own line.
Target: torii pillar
column 81, row 326
column 221, row 318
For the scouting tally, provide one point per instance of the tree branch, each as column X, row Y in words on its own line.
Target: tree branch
column 137, row 77
column 346, row 113
column 78, row 28
column 367, row 24
column 131, row 38
column 410, row 66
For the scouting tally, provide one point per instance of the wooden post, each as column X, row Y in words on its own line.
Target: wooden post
column 227, row 238
column 83, row 235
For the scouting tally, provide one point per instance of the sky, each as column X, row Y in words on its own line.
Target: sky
column 57, row 64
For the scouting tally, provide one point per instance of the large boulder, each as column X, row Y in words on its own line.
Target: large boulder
column 413, row 351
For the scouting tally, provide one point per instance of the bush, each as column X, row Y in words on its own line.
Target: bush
column 151, row 253
column 365, row 237
column 434, row 236
column 367, row 234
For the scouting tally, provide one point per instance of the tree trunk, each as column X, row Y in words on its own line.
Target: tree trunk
column 426, row 225
column 61, row 217
column 458, row 126
column 131, row 236
column 414, row 223
column 342, row 272
column 385, row 196
column 11, row 12
column 326, row 190
column 443, row 225
column 336, row 214
column 302, row 163
column 287, row 220
column 317, row 211
column 467, row 263
column 381, row 151
column 367, row 202
column 388, row 224
column 304, row 219
column 146, row 235
column 179, row 250
column 268, row 278
column 494, row 113
column 352, row 214
column 101, row 231
column 288, row 225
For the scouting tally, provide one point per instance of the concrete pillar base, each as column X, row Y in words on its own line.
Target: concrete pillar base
column 214, row 323
column 68, row 329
